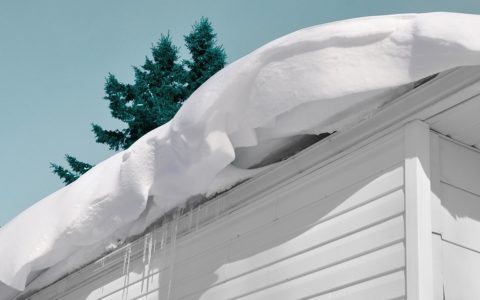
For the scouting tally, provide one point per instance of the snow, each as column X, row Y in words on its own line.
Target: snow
column 320, row 79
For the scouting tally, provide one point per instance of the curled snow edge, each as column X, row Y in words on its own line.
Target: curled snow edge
column 320, row 79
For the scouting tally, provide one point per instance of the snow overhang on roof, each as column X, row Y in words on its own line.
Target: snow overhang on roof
column 340, row 77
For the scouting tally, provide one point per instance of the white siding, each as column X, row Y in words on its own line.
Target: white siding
column 335, row 231
column 418, row 225
column 456, row 218
column 461, row 272
column 460, row 122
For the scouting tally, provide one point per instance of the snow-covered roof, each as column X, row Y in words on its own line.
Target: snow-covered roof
column 320, row 79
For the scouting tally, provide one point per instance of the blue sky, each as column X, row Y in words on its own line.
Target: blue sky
column 55, row 54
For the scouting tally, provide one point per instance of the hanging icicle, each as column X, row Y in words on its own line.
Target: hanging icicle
column 126, row 270
column 173, row 241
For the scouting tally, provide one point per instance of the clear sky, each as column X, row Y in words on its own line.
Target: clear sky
column 55, row 54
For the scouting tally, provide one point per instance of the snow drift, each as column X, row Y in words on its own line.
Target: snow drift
column 320, row 79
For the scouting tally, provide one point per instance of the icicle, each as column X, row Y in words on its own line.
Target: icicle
column 164, row 236
column 128, row 257
column 158, row 234
column 154, row 240
column 126, row 270
column 147, row 255
column 124, row 262
column 150, row 248
column 145, row 242
column 151, row 251
column 173, row 241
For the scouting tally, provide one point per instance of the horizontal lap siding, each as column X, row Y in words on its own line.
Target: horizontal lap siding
column 350, row 243
column 339, row 228
column 337, row 277
column 461, row 272
column 459, row 166
column 327, row 260
column 457, row 213
column 456, row 218
column 390, row 286
column 336, row 232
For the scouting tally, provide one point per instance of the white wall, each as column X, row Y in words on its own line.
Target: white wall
column 456, row 217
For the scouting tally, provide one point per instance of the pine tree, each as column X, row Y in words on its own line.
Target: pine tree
column 160, row 86
column 207, row 58
column 78, row 168
column 151, row 101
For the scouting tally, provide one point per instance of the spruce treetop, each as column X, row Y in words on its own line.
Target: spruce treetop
column 207, row 57
column 160, row 86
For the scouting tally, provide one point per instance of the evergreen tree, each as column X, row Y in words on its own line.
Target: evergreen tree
column 160, row 86
column 78, row 168
column 151, row 101
column 207, row 58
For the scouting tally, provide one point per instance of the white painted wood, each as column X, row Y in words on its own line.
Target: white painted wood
column 325, row 256
column 461, row 272
column 246, row 259
column 290, row 249
column 317, row 233
column 460, row 166
column 455, row 219
column 456, row 215
column 460, row 219
column 461, row 122
column 320, row 210
column 435, row 183
column 351, row 272
column 438, row 279
column 390, row 286
column 418, row 212
column 267, row 237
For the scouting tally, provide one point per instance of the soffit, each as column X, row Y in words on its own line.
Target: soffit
column 460, row 122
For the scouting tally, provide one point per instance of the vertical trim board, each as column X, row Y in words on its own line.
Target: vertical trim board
column 418, row 226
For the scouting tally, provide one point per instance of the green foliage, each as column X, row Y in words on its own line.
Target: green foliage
column 160, row 86
column 78, row 168
column 151, row 101
column 207, row 57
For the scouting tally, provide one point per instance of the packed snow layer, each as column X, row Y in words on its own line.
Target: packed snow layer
column 320, row 79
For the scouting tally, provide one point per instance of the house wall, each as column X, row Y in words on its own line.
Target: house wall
column 456, row 217
column 334, row 231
